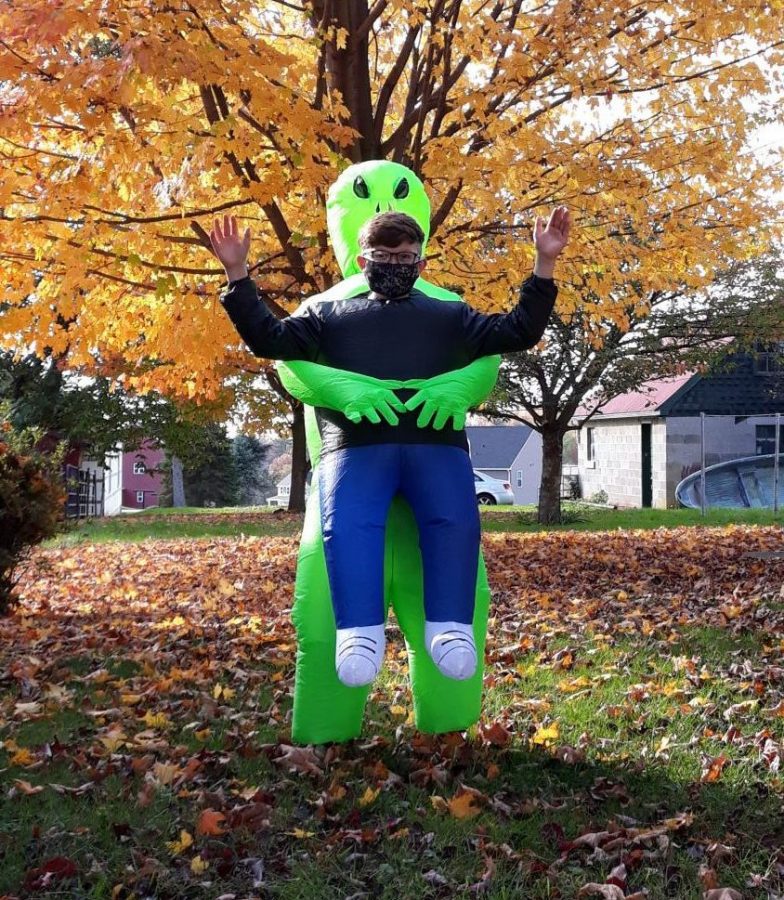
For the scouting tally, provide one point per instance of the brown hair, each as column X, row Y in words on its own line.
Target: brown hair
column 390, row 229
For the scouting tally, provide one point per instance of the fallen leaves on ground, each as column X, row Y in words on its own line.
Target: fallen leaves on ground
column 150, row 672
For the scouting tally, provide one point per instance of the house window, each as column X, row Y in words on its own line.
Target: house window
column 519, row 477
column 139, row 468
column 768, row 358
column 140, row 497
column 766, row 439
column 590, row 448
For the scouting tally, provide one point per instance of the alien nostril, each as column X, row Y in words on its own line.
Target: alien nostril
column 378, row 208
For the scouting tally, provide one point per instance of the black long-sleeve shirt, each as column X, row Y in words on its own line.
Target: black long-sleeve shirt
column 413, row 337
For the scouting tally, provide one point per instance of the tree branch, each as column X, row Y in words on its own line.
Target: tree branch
column 391, row 81
column 283, row 234
column 363, row 30
column 168, row 217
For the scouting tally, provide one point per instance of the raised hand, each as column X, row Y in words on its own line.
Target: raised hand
column 230, row 248
column 550, row 239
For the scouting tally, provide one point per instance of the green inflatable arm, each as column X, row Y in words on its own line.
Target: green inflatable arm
column 442, row 397
column 355, row 395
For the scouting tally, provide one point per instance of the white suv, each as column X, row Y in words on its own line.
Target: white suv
column 491, row 491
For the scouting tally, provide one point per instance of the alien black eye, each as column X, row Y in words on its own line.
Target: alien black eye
column 360, row 188
column 401, row 190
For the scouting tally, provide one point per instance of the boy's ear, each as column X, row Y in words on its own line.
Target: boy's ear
column 422, row 263
column 361, row 262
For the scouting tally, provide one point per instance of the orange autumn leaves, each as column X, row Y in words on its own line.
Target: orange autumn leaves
column 215, row 614
column 465, row 804
column 639, row 582
column 211, row 822
column 607, row 580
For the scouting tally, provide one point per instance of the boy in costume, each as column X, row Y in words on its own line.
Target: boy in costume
column 324, row 708
column 394, row 333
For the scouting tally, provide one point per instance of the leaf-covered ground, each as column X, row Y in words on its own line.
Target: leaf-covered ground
column 631, row 744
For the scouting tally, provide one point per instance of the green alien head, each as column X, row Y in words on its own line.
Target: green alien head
column 362, row 191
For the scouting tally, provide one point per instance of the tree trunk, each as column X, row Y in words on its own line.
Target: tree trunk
column 348, row 73
column 550, row 485
column 299, row 461
column 178, row 484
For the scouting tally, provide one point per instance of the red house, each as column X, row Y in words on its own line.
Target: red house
column 141, row 480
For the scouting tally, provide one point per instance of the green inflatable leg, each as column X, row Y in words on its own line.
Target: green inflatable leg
column 324, row 708
column 440, row 704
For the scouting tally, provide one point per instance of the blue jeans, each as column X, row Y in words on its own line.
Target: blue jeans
column 356, row 487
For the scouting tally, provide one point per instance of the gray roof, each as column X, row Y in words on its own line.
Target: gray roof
column 735, row 389
column 496, row 446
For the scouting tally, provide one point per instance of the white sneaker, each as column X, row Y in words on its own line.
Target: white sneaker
column 359, row 654
column 452, row 648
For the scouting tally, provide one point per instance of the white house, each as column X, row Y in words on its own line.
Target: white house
column 642, row 444
column 511, row 453
column 94, row 489
column 284, row 491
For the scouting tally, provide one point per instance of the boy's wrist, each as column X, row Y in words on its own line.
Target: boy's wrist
column 544, row 266
column 235, row 273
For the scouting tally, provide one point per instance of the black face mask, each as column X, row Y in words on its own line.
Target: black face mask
column 391, row 280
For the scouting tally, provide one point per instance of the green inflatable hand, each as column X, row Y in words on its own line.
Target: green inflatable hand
column 452, row 394
column 356, row 396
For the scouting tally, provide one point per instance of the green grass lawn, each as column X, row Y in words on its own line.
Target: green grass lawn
column 185, row 522
column 582, row 517
column 192, row 522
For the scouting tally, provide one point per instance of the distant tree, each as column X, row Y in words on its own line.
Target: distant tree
column 212, row 476
column 254, row 480
column 99, row 417
column 587, row 359
column 280, row 466
column 86, row 413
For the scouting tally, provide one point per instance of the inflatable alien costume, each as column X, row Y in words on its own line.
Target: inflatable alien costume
column 324, row 708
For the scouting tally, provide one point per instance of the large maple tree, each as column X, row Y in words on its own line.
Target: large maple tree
column 127, row 126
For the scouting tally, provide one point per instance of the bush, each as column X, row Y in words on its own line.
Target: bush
column 31, row 504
